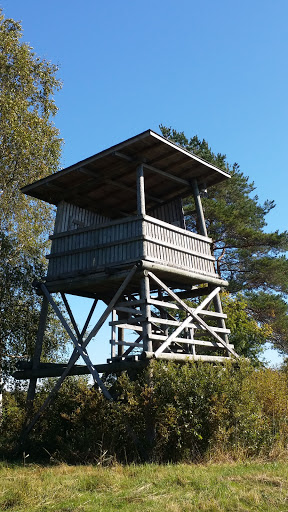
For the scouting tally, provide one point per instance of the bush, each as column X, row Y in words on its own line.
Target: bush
column 169, row 412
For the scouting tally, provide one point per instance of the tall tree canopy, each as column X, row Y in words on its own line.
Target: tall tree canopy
column 30, row 149
column 30, row 146
column 250, row 258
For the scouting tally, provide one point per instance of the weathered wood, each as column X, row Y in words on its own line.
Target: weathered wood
column 145, row 310
column 185, row 341
column 128, row 310
column 206, row 301
column 180, row 274
column 193, row 314
column 71, row 316
column 117, row 243
column 186, row 357
column 57, row 370
column 121, row 333
column 92, row 247
column 154, row 169
column 75, row 355
column 199, row 209
column 171, row 212
column 212, row 314
column 172, row 336
column 37, row 351
column 166, row 243
column 131, row 323
column 141, row 208
column 132, row 344
column 167, row 175
column 221, row 321
column 100, row 235
column 132, row 327
column 78, row 344
column 85, row 327
column 116, row 184
column 129, row 350
column 163, row 304
column 113, row 334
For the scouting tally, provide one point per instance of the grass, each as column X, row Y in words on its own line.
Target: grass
column 170, row 488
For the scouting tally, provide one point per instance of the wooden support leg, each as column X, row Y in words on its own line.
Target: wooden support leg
column 77, row 342
column 145, row 309
column 199, row 209
column 75, row 354
column 113, row 334
column 121, row 333
column 220, row 321
column 37, row 351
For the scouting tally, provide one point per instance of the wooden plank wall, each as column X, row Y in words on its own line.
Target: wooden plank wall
column 177, row 247
column 128, row 240
column 69, row 217
column 96, row 246
column 170, row 212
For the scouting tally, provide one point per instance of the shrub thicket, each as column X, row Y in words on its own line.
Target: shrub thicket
column 171, row 412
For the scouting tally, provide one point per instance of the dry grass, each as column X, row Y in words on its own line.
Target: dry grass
column 171, row 488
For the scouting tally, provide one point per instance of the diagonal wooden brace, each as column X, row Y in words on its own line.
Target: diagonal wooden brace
column 75, row 354
column 77, row 343
column 173, row 335
column 193, row 312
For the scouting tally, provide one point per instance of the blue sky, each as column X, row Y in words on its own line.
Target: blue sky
column 215, row 69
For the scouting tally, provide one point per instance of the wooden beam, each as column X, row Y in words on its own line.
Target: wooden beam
column 56, row 370
column 75, row 354
column 154, row 169
column 141, row 208
column 71, row 316
column 37, row 352
column 199, row 208
column 186, row 275
column 89, row 317
column 129, row 350
column 192, row 313
column 167, row 175
column 187, row 357
column 117, row 184
column 78, row 344
column 113, row 335
column 172, row 336
column 220, row 320
column 145, row 310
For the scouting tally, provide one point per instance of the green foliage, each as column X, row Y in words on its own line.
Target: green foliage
column 19, row 309
column 251, row 259
column 29, row 150
column 29, row 142
column 247, row 334
column 170, row 412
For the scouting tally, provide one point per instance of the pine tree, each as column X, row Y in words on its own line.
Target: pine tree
column 252, row 260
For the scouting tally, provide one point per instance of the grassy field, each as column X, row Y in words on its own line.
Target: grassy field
column 171, row 488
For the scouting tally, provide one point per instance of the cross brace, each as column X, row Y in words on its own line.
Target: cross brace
column 159, row 335
column 80, row 345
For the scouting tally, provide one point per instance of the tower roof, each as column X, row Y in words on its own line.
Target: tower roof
column 106, row 182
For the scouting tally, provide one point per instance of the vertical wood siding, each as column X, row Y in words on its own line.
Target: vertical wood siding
column 69, row 217
column 170, row 212
column 94, row 247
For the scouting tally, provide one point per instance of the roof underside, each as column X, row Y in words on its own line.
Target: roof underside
column 106, row 182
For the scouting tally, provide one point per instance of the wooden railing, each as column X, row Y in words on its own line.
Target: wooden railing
column 128, row 240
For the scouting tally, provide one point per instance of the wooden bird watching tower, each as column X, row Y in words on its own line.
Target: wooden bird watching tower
column 120, row 237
